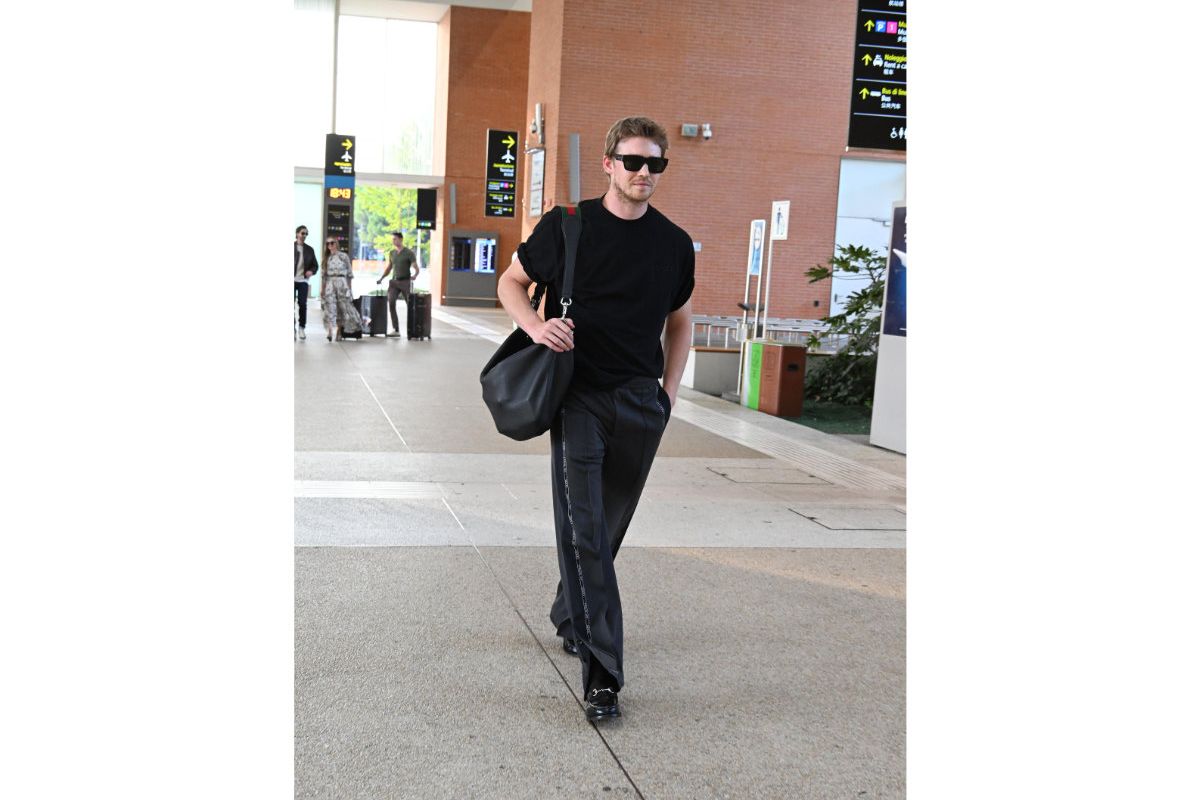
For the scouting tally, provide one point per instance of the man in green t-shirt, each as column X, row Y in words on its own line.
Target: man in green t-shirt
column 402, row 265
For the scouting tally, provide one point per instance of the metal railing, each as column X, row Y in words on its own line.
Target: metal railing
column 729, row 332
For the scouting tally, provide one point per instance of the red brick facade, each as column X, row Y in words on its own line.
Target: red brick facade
column 772, row 77
column 488, row 70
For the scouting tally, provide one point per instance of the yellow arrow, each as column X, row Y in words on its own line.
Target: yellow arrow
column 510, row 141
column 346, row 143
column 870, row 24
column 865, row 93
column 867, row 59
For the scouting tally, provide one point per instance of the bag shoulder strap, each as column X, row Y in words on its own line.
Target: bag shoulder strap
column 572, row 226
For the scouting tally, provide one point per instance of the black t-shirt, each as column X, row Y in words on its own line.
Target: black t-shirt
column 629, row 274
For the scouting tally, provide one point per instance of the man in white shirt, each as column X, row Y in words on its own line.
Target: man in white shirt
column 304, row 263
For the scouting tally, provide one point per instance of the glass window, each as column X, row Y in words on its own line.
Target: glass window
column 312, row 89
column 385, row 95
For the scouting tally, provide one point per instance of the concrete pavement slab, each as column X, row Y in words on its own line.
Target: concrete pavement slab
column 434, row 467
column 771, row 474
column 357, row 514
column 750, row 673
column 843, row 517
column 322, row 522
column 416, row 679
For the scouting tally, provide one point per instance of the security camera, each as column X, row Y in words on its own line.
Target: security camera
column 706, row 131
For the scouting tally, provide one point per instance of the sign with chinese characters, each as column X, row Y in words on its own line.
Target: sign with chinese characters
column 879, row 97
column 500, row 193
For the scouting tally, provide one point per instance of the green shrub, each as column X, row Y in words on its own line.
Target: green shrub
column 843, row 378
column 849, row 375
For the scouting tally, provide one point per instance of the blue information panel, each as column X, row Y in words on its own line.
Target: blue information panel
column 895, row 301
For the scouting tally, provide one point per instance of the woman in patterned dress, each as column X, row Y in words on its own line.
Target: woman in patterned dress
column 336, row 301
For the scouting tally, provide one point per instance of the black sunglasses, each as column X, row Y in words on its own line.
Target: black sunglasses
column 634, row 163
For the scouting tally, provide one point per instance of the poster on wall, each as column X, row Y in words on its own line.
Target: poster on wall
column 895, row 303
column 889, row 411
column 537, row 173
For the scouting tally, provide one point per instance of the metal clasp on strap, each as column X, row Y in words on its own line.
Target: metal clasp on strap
column 566, row 304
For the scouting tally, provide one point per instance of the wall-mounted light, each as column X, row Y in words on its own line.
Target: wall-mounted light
column 706, row 130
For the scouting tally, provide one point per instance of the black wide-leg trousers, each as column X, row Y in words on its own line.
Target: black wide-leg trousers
column 602, row 446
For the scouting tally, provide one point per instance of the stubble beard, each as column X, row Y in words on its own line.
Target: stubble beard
column 626, row 197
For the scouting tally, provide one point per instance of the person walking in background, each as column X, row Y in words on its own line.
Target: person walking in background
column 634, row 273
column 304, row 267
column 337, row 303
column 402, row 265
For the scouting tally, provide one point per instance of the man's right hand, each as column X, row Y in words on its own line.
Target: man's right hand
column 557, row 334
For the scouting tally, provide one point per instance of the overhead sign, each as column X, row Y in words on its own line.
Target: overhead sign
column 758, row 231
column 780, row 210
column 339, row 154
column 426, row 209
column 500, row 198
column 879, row 99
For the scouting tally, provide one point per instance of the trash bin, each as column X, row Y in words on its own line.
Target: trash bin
column 773, row 378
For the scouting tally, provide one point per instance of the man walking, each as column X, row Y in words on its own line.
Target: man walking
column 304, row 267
column 402, row 265
column 634, row 272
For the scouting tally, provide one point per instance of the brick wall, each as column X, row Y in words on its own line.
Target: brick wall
column 488, row 63
column 545, row 68
column 772, row 77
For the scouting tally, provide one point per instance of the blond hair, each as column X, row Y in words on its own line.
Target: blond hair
column 631, row 127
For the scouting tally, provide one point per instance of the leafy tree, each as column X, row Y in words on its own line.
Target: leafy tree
column 410, row 150
column 848, row 376
column 383, row 209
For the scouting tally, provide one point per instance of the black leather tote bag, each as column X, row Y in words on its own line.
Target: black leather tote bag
column 524, row 383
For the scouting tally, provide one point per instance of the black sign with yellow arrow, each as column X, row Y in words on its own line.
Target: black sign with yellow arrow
column 501, row 189
column 339, row 154
column 879, row 98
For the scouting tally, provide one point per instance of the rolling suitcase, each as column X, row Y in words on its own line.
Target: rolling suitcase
column 420, row 315
column 373, row 310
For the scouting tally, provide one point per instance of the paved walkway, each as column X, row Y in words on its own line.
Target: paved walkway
column 762, row 581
